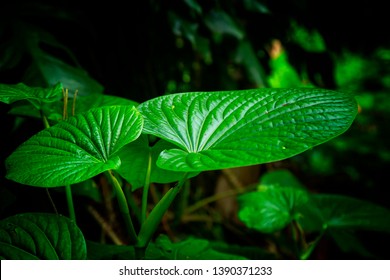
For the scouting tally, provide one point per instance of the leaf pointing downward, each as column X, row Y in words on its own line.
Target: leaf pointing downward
column 75, row 150
column 216, row 130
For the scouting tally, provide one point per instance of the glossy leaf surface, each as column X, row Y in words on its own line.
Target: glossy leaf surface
column 216, row 130
column 75, row 150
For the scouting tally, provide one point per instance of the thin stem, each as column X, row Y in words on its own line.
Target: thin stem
column 146, row 190
column 65, row 94
column 149, row 227
column 69, row 199
column 47, row 125
column 45, row 121
column 74, row 103
column 181, row 203
column 132, row 203
column 305, row 255
column 51, row 201
column 124, row 208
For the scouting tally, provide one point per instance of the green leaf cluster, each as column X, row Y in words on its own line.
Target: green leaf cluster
column 281, row 201
column 175, row 137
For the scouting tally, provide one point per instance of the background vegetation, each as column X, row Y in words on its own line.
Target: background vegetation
column 158, row 47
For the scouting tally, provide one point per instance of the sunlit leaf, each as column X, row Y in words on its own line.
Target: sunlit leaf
column 216, row 130
column 34, row 236
column 75, row 150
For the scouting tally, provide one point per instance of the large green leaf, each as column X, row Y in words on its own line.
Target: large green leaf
column 216, row 130
column 34, row 236
column 135, row 159
column 75, row 150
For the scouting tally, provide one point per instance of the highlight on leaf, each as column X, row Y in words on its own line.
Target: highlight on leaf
column 216, row 130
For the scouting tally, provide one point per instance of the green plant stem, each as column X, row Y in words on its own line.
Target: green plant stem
column 132, row 204
column 68, row 190
column 45, row 121
column 145, row 192
column 151, row 223
column 181, row 203
column 69, row 199
column 306, row 254
column 124, row 208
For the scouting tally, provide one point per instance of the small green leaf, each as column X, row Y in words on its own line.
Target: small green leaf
column 280, row 199
column 283, row 74
column 34, row 236
column 35, row 95
column 75, row 150
column 271, row 209
column 217, row 130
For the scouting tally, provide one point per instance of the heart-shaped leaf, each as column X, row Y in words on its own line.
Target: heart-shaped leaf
column 75, row 150
column 135, row 159
column 34, row 236
column 271, row 209
column 280, row 199
column 216, row 130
